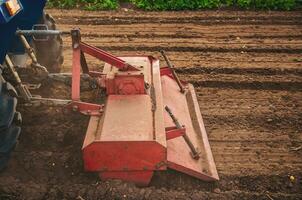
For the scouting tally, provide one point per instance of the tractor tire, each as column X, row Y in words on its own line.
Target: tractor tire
column 49, row 52
column 10, row 121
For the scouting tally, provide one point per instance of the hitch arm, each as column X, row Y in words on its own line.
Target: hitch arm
column 22, row 89
column 99, row 53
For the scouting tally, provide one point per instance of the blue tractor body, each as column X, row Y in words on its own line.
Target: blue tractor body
column 27, row 14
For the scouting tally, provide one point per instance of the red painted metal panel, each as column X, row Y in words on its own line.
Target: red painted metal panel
column 124, row 156
column 127, row 118
column 128, row 140
column 185, row 108
column 173, row 132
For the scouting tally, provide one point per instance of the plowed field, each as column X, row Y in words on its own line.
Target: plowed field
column 247, row 71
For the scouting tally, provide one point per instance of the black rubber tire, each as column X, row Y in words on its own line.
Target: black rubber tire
column 9, row 121
column 50, row 52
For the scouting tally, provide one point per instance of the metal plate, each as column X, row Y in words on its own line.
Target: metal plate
column 128, row 136
column 185, row 107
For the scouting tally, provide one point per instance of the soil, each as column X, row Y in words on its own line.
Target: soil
column 246, row 67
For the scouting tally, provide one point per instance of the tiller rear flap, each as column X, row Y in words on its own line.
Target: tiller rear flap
column 150, row 120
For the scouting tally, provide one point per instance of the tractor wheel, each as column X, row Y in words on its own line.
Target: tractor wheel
column 49, row 52
column 9, row 121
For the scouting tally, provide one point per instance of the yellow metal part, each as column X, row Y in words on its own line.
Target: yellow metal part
column 13, row 7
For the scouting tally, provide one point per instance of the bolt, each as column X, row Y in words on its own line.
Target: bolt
column 76, row 45
column 147, row 85
column 75, row 108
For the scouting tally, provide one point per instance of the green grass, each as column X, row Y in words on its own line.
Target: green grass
column 199, row 4
column 267, row 4
column 176, row 4
column 85, row 4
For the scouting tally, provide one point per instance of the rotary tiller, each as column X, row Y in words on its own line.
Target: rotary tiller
column 150, row 120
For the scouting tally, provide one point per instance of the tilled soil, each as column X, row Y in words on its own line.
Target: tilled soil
column 246, row 69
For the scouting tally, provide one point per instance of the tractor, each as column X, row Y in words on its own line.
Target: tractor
column 22, row 15
column 150, row 119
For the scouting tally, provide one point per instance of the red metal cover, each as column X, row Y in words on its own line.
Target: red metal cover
column 128, row 140
column 186, row 109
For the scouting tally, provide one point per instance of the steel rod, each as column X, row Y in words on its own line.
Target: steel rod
column 170, row 65
column 40, row 32
column 194, row 151
column 29, row 49
column 22, row 89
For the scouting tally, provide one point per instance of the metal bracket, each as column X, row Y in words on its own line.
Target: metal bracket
column 42, row 27
column 174, row 132
column 194, row 152
column 22, row 89
column 86, row 108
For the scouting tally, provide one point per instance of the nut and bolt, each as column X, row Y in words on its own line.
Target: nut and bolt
column 75, row 108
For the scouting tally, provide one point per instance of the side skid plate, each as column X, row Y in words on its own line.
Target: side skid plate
column 186, row 109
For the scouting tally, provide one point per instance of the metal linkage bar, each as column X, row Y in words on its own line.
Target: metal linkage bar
column 174, row 132
column 41, row 32
column 49, row 101
column 170, row 65
column 22, row 89
column 29, row 49
column 97, row 53
column 194, row 152
column 106, row 57
column 77, row 104
column 38, row 69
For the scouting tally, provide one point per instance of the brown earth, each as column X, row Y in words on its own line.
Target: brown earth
column 246, row 69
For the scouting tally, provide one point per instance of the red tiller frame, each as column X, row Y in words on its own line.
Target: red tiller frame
column 106, row 57
column 129, row 141
column 79, row 62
